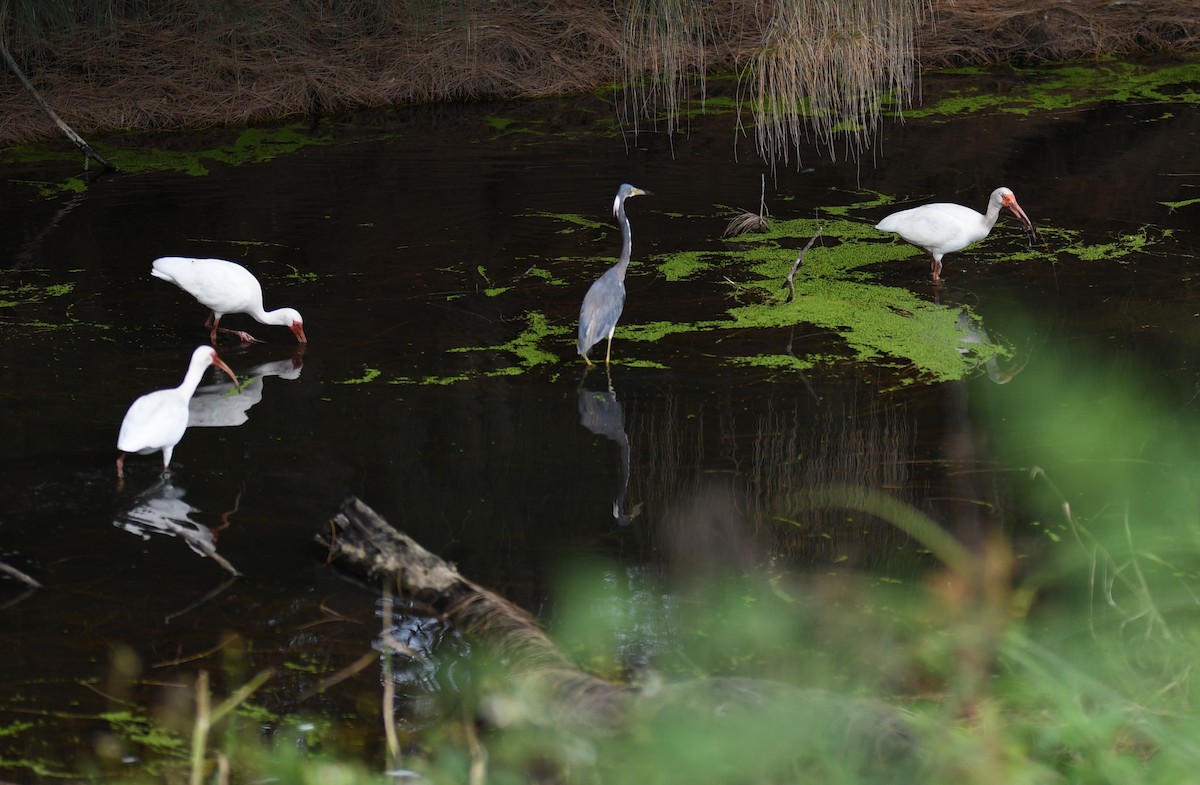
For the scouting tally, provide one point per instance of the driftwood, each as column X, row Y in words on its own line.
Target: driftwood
column 359, row 535
column 874, row 735
column 84, row 147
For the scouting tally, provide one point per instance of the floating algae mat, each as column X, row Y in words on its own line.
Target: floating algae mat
column 838, row 293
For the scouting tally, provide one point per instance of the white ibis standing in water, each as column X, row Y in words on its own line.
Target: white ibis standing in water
column 944, row 228
column 156, row 421
column 225, row 287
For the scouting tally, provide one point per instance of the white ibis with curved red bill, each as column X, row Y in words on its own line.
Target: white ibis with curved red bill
column 225, row 287
column 156, row 421
column 944, row 228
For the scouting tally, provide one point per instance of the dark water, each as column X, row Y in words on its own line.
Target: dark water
column 387, row 232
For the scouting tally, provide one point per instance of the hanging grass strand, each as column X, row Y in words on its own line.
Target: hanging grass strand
column 824, row 68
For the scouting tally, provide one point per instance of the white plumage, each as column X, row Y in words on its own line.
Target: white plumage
column 225, row 287
column 944, row 227
column 156, row 421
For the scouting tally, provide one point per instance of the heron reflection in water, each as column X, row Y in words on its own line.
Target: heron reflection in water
column 604, row 301
column 602, row 414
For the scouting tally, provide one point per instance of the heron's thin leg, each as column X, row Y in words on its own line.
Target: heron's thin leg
column 608, row 354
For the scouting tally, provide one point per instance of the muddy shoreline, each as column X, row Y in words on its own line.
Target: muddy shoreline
column 195, row 70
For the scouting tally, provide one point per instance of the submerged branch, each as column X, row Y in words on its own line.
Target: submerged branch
column 22, row 577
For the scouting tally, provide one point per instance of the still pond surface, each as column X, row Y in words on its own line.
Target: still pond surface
column 438, row 255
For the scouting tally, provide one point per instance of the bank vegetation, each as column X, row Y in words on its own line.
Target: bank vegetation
column 143, row 64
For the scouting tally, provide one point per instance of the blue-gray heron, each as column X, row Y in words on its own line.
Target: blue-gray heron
column 604, row 301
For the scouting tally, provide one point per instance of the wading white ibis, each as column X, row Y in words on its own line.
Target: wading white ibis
column 604, row 301
column 225, row 287
column 944, row 228
column 156, row 421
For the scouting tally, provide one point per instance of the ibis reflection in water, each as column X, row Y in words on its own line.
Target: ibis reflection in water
column 220, row 406
column 601, row 413
column 162, row 509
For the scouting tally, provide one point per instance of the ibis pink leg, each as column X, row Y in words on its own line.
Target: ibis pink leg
column 213, row 324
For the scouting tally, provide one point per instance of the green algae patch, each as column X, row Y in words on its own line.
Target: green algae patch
column 543, row 275
column 1125, row 247
column 782, row 362
column 250, row 145
column 683, row 265
column 837, row 293
column 369, row 375
column 526, row 347
column 1120, row 249
column 1173, row 206
column 1069, row 87
column 650, row 332
column 879, row 324
column 12, row 295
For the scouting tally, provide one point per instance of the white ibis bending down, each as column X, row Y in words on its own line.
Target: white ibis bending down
column 604, row 301
column 225, row 287
column 944, row 228
column 156, row 421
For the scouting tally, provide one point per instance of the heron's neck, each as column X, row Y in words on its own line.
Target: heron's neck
column 626, row 238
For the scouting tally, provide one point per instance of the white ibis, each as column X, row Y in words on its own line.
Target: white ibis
column 156, row 421
column 944, row 228
column 225, row 287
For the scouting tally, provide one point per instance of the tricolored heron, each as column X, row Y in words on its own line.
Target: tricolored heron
column 604, row 301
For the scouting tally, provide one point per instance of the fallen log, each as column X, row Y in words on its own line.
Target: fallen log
column 872, row 736
column 359, row 535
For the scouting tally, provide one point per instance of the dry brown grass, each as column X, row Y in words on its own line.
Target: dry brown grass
column 960, row 32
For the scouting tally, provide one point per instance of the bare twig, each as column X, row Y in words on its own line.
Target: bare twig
column 796, row 265
column 22, row 577
column 200, row 731
column 389, row 682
